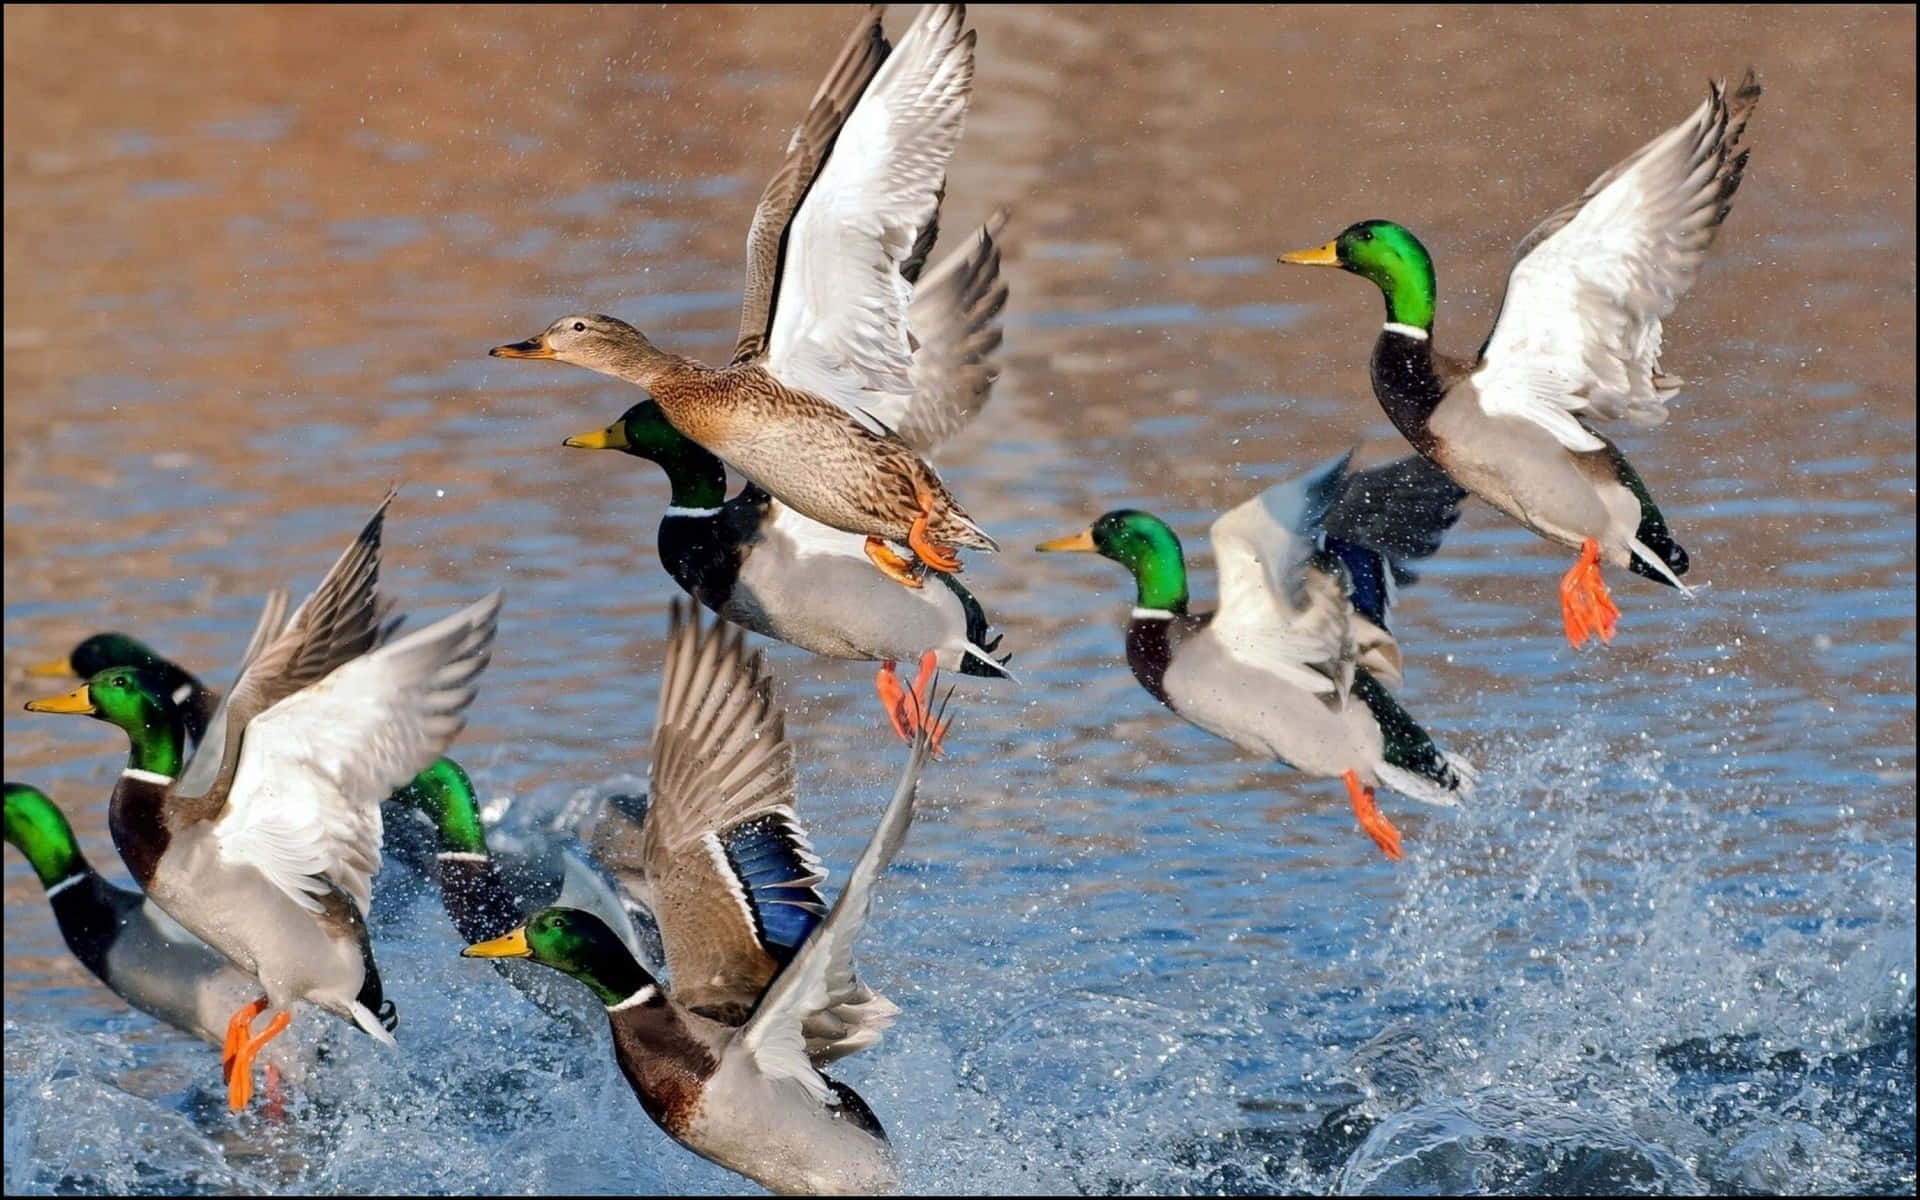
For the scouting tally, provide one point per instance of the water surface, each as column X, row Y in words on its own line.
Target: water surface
column 254, row 259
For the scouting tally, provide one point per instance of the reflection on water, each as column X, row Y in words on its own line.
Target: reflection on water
column 254, row 259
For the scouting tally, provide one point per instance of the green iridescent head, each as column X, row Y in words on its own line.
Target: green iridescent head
column 1388, row 255
column 37, row 828
column 1142, row 543
column 576, row 943
column 140, row 701
column 699, row 479
column 445, row 794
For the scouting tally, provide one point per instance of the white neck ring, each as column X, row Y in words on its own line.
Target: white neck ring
column 640, row 997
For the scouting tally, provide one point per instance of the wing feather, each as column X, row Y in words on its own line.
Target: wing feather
column 840, row 324
column 340, row 621
column 720, row 748
column 1580, row 328
column 820, row 975
column 955, row 319
column 304, row 807
column 812, row 141
column 721, row 760
column 1276, row 612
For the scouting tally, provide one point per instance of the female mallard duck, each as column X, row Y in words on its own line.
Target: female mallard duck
column 102, row 651
column 1307, row 569
column 121, row 936
column 763, row 990
column 1578, row 332
column 767, row 568
column 809, row 407
column 267, row 845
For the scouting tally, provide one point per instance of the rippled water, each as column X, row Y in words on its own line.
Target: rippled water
column 253, row 261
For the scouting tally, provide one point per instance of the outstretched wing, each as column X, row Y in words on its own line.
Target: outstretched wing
column 1276, row 613
column 340, row 621
column 812, row 141
column 955, row 319
column 821, row 977
column 305, row 802
column 840, row 322
column 730, row 873
column 1386, row 517
column 1579, row 329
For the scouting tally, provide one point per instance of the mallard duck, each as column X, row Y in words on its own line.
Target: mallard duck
column 486, row 894
column 808, row 408
column 1292, row 663
column 267, row 845
column 101, row 651
column 483, row 896
column 727, row 1060
column 767, row 568
column 1577, row 333
column 121, row 936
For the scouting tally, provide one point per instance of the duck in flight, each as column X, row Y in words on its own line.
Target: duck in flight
column 811, row 405
column 1577, row 335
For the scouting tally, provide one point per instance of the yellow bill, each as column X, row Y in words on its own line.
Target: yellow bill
column 79, row 700
column 613, row 437
column 59, row 668
column 1081, row 542
column 512, row 945
column 1326, row 256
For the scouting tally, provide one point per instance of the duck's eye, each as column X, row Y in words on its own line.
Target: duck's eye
column 1366, row 235
column 579, row 326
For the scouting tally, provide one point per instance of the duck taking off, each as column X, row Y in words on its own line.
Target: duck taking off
column 1291, row 664
column 121, row 936
column 767, row 568
column 762, row 988
column 811, row 406
column 266, row 845
column 1577, row 334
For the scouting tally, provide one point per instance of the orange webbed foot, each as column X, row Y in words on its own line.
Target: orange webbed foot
column 240, row 1074
column 1372, row 820
column 893, row 697
column 1586, row 607
column 931, row 552
column 238, row 1028
column 907, row 708
column 891, row 565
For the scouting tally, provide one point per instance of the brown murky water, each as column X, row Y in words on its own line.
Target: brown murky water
column 253, row 262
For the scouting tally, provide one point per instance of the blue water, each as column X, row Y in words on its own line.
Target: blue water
column 1667, row 947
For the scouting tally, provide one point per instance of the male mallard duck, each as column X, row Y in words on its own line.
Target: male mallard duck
column 121, row 936
column 102, row 651
column 1307, row 569
column 483, row 896
column 767, row 568
column 266, row 847
column 809, row 407
column 1578, row 332
column 487, row 895
column 763, row 990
